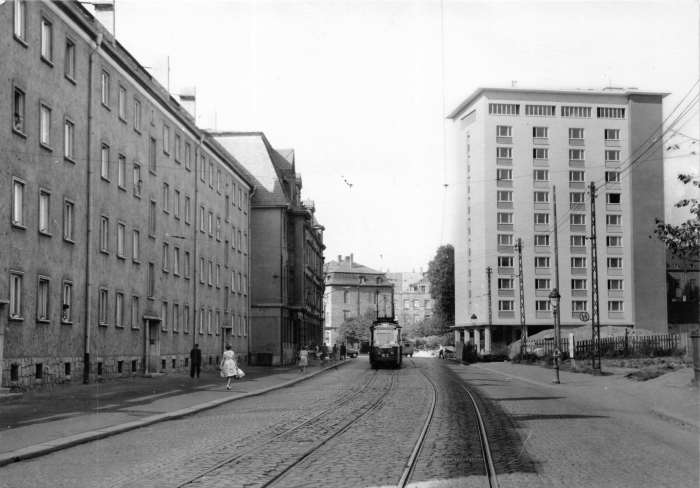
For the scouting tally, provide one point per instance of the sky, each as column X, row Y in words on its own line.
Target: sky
column 360, row 89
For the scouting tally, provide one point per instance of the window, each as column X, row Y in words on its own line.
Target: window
column 209, row 321
column 202, row 225
column 504, row 131
column 18, row 105
column 505, row 196
column 540, row 175
column 579, row 306
column 151, row 279
column 616, row 306
column 166, row 252
column 577, row 176
column 187, row 210
column 152, row 155
column 135, row 312
column 211, row 175
column 578, row 263
column 506, row 305
column 187, row 264
column 504, row 174
column 541, row 197
column 164, row 315
column 541, row 262
column 188, row 152
column 218, row 228
column 240, row 198
column 540, row 132
column 540, row 110
column 542, row 218
column 505, row 239
column 405, row 304
column 68, row 138
column 612, row 176
column 67, row 302
column 577, row 154
column 611, row 113
column 44, row 212
column 614, row 241
column 176, row 262
column 613, row 198
column 45, row 125
column 543, row 306
column 135, row 245
column 105, row 88
column 177, row 148
column 427, row 304
column 541, row 240
column 121, row 228
column 416, row 303
column 69, row 62
column 211, row 224
column 504, row 109
column 578, row 241
column 121, row 168
column 42, row 300
column 16, row 294
column 240, row 241
column 540, row 153
column 121, row 103
column 68, row 220
column 166, row 139
column 210, row 269
column 137, row 180
column 579, row 112
column 577, row 198
column 202, row 168
column 505, row 218
column 46, row 40
column 201, row 270
column 613, row 219
column 218, row 276
column 20, row 18
column 505, row 283
column 218, row 181
column 105, row 161
column 119, row 315
column 612, row 134
column 543, row 284
column 612, row 156
column 615, row 285
column 137, row 115
column 615, row 263
column 201, row 321
column 504, row 152
column 104, row 304
column 166, row 198
column 578, row 219
column 153, row 117
column 152, row 219
column 104, row 234
column 186, row 319
column 176, row 204
column 576, row 134
column 505, row 261
column 579, row 284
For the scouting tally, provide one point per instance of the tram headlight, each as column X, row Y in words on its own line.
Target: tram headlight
column 391, row 353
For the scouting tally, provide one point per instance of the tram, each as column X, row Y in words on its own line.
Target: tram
column 386, row 348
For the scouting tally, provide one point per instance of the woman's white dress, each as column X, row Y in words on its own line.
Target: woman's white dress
column 229, row 364
column 303, row 358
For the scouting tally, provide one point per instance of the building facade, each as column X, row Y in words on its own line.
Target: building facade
column 414, row 304
column 287, row 252
column 512, row 148
column 683, row 293
column 124, row 226
column 351, row 290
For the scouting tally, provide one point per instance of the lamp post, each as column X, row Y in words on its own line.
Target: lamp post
column 554, row 300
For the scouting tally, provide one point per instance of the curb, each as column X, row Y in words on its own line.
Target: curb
column 672, row 417
column 519, row 378
column 85, row 437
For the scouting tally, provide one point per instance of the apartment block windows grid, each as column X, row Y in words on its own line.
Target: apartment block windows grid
column 46, row 40
column 541, row 197
column 540, row 175
column 540, row 110
column 542, row 218
column 612, row 134
column 578, row 263
column 504, row 131
column 504, row 109
column 42, row 300
column 616, row 306
column 540, row 153
column 540, row 132
column 68, row 139
column 543, row 284
column 506, row 305
column 16, row 279
column 615, row 263
column 577, row 155
column 612, row 156
column 576, row 134
column 578, row 112
column 540, row 262
column 613, row 220
column 504, row 175
column 578, row 241
column 504, row 152
column 505, row 218
column 543, row 306
column 611, row 113
column 44, row 211
column 578, row 219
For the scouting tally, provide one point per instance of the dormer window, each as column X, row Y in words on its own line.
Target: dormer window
column 379, row 281
column 362, row 280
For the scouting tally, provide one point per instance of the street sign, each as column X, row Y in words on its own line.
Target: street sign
column 557, row 353
column 584, row 316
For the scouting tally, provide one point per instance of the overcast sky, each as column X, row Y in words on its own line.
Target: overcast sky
column 360, row 89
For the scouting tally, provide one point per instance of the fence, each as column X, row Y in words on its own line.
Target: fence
column 619, row 346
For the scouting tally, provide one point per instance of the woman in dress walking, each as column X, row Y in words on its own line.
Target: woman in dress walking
column 228, row 366
column 303, row 358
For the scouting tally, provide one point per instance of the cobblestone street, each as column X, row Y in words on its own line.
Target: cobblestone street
column 357, row 427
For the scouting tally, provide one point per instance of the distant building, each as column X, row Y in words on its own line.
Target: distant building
column 683, row 294
column 414, row 304
column 351, row 290
column 512, row 146
column 402, row 281
column 286, row 252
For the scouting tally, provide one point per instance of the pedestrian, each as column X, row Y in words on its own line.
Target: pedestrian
column 304, row 358
column 195, row 361
column 228, row 366
column 441, row 352
column 324, row 352
column 336, row 351
column 343, row 351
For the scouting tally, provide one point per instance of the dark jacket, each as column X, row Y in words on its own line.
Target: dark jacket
column 196, row 355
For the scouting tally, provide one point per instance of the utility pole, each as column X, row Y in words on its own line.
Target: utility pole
column 557, row 316
column 488, row 273
column 595, row 325
column 523, row 327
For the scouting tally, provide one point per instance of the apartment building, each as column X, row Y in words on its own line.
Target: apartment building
column 512, row 148
column 412, row 300
column 287, row 252
column 124, row 227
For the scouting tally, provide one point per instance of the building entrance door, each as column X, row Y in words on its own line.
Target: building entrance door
column 152, row 349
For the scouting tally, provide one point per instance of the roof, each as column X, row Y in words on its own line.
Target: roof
column 610, row 92
column 287, row 154
column 348, row 272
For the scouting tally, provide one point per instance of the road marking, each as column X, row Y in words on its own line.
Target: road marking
column 106, row 406
column 140, row 399
column 58, row 416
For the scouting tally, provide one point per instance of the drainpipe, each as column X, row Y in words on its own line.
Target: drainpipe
column 250, row 279
column 88, row 239
column 196, row 229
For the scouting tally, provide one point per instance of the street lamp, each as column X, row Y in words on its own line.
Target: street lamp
column 554, row 298
column 473, row 319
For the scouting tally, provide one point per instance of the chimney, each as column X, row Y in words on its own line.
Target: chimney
column 351, row 260
column 340, row 258
column 514, row 84
column 160, row 70
column 188, row 100
column 104, row 13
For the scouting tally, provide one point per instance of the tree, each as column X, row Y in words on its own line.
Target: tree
column 355, row 330
column 441, row 273
column 683, row 240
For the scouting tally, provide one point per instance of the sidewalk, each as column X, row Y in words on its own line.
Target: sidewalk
column 50, row 420
column 669, row 396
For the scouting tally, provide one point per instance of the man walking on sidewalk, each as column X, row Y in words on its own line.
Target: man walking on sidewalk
column 195, row 361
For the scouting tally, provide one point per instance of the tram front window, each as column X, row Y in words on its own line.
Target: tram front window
column 385, row 337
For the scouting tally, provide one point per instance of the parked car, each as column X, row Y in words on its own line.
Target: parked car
column 352, row 352
column 408, row 348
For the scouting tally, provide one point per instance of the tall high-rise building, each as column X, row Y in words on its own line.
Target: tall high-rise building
column 517, row 152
